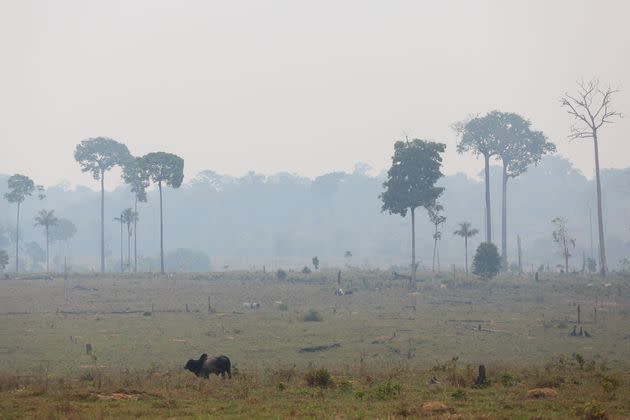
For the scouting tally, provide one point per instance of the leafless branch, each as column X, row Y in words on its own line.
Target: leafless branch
column 581, row 107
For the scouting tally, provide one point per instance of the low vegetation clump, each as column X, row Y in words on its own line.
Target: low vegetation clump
column 283, row 307
column 388, row 390
column 319, row 378
column 312, row 316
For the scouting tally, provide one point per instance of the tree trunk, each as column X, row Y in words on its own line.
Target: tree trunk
column 504, row 261
column 129, row 246
column 162, row 231
column 122, row 259
column 17, row 240
column 466, row 252
column 47, row 249
column 434, row 250
column 603, row 266
column 135, row 237
column 413, row 247
column 102, row 221
column 488, row 213
column 520, row 260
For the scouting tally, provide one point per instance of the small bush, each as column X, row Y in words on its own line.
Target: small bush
column 550, row 381
column 319, row 378
column 486, row 263
column 312, row 316
column 592, row 411
column 459, row 394
column 388, row 390
column 610, row 385
column 508, row 380
column 281, row 274
column 306, row 270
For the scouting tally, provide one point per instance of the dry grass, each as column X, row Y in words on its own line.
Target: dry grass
column 392, row 341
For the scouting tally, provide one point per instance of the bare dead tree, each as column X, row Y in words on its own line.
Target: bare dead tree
column 591, row 108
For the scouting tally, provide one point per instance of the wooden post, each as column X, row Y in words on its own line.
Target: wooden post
column 339, row 277
column 88, row 348
column 578, row 315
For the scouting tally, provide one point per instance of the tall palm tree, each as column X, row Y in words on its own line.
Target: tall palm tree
column 46, row 219
column 466, row 231
column 129, row 217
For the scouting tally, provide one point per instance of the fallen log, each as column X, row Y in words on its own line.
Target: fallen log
column 319, row 348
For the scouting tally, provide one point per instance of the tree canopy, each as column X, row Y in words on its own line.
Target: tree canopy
column 164, row 167
column 411, row 179
column 99, row 154
column 487, row 262
column 20, row 187
column 136, row 175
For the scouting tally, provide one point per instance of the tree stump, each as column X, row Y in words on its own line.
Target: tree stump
column 481, row 379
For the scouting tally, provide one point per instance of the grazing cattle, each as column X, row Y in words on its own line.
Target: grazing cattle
column 341, row 292
column 204, row 367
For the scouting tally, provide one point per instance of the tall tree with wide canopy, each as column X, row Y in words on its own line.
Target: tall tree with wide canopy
column 518, row 147
column 466, row 231
column 135, row 175
column 479, row 135
column 411, row 183
column 98, row 155
column 591, row 109
column 46, row 219
column 164, row 168
column 20, row 187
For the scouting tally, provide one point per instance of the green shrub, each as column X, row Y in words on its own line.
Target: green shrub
column 507, row 379
column 281, row 274
column 486, row 263
column 610, row 385
column 388, row 390
column 320, row 378
column 592, row 411
column 459, row 394
column 312, row 316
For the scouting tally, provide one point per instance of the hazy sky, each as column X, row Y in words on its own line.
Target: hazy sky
column 305, row 87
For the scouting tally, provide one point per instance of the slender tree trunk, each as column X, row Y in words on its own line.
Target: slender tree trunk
column 413, row 246
column 437, row 252
column 122, row 259
column 102, row 221
column 504, row 261
column 520, row 259
column 434, row 250
column 603, row 266
column 47, row 250
column 135, row 237
column 162, row 231
column 129, row 246
column 17, row 240
column 488, row 213
column 466, row 252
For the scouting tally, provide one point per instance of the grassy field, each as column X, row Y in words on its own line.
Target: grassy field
column 387, row 342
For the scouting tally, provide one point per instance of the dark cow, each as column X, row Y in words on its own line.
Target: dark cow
column 204, row 366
